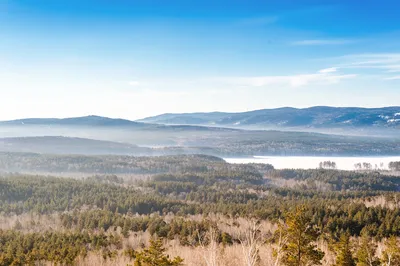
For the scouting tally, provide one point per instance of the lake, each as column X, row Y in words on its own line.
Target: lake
column 308, row 162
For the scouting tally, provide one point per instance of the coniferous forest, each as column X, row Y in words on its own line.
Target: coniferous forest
column 193, row 210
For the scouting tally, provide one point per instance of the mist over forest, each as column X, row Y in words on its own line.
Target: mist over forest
column 199, row 133
column 100, row 135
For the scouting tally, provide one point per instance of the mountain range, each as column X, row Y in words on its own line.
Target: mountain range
column 313, row 117
column 317, row 117
column 100, row 121
column 357, row 131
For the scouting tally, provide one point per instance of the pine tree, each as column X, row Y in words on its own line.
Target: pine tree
column 366, row 252
column 300, row 249
column 154, row 256
column 391, row 255
column 126, row 227
column 344, row 255
column 279, row 238
column 17, row 225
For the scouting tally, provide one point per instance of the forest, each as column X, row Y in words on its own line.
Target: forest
column 193, row 210
column 177, row 140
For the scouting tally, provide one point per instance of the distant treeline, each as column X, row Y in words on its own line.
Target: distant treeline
column 394, row 166
column 110, row 164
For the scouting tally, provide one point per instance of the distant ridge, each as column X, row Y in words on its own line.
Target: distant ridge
column 91, row 120
column 317, row 117
column 69, row 145
column 288, row 117
column 100, row 121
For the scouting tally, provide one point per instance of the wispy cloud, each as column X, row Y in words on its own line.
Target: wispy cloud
column 393, row 78
column 373, row 59
column 323, row 76
column 328, row 70
column 384, row 63
column 322, row 42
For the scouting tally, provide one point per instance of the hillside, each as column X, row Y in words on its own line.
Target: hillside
column 94, row 121
column 101, row 135
column 68, row 145
column 223, row 144
column 91, row 120
column 313, row 117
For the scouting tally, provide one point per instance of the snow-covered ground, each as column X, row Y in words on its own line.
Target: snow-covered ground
column 307, row 162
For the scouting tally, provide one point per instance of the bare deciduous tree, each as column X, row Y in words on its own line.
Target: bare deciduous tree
column 251, row 242
column 210, row 251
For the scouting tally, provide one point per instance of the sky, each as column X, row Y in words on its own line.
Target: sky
column 132, row 59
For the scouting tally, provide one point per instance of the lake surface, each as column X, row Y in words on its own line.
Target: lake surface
column 308, row 162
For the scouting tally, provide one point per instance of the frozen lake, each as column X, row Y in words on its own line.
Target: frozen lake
column 308, row 162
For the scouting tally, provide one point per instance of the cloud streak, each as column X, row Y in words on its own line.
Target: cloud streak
column 393, row 78
column 386, row 63
column 322, row 77
column 328, row 70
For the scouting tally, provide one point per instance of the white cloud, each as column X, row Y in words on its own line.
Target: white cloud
column 323, row 76
column 383, row 62
column 392, row 68
column 322, row 42
column 134, row 83
column 393, row 78
column 329, row 70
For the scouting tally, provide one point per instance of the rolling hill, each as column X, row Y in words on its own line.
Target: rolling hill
column 314, row 117
column 105, row 122
column 69, row 145
column 91, row 120
column 220, row 134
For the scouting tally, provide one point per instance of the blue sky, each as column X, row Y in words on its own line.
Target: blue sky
column 133, row 59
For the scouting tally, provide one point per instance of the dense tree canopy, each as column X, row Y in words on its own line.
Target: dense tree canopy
column 97, row 212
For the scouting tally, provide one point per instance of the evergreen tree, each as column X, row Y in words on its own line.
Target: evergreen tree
column 391, row 255
column 154, row 256
column 300, row 249
column 366, row 252
column 344, row 256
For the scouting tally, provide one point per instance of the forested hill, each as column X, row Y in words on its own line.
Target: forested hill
column 313, row 117
column 91, row 120
column 222, row 144
column 68, row 145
